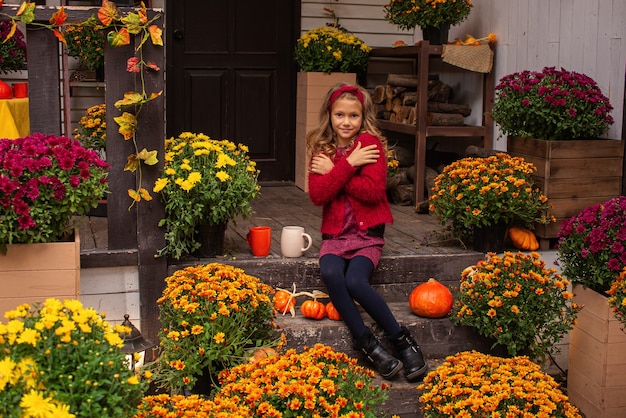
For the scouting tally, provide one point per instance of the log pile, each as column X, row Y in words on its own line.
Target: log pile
column 396, row 101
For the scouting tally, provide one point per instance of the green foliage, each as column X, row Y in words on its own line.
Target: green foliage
column 327, row 50
column 204, row 182
column 86, row 41
column 408, row 14
column 551, row 104
column 517, row 301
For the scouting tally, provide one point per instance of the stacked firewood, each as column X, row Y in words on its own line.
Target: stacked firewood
column 396, row 101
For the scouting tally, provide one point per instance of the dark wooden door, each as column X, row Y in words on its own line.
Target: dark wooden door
column 231, row 75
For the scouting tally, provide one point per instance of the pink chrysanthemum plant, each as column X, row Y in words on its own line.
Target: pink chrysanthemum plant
column 45, row 181
column 551, row 104
column 592, row 245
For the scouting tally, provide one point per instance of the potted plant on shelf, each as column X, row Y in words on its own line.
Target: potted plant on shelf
column 472, row 384
column 213, row 316
column 92, row 130
column 554, row 119
column 45, row 181
column 592, row 254
column 478, row 195
column 518, row 302
column 326, row 57
column 12, row 47
column 86, row 42
column 434, row 16
column 60, row 359
column 204, row 184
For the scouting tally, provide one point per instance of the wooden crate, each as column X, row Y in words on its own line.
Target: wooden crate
column 35, row 272
column 311, row 89
column 572, row 174
column 596, row 377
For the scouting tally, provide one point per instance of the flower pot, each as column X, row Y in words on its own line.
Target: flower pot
column 35, row 272
column 311, row 89
column 596, row 376
column 211, row 237
column 573, row 174
column 490, row 238
column 436, row 35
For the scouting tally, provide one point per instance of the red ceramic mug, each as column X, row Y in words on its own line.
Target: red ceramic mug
column 259, row 240
column 20, row 90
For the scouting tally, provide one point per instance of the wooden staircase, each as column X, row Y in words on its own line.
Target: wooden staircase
column 395, row 277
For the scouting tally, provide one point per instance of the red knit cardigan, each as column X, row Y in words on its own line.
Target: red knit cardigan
column 364, row 187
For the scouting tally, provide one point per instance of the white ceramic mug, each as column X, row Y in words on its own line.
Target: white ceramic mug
column 292, row 241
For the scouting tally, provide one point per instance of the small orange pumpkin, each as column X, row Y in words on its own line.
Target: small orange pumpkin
column 332, row 313
column 284, row 302
column 262, row 353
column 431, row 299
column 523, row 238
column 313, row 309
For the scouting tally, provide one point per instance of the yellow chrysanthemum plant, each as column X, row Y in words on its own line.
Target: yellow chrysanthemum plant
column 204, row 182
column 214, row 317
column 617, row 297
column 327, row 49
column 516, row 301
column 477, row 192
column 59, row 359
column 472, row 384
column 92, row 130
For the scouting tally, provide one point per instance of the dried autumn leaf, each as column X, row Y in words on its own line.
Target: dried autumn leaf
column 118, row 38
column 128, row 125
column 143, row 14
column 132, row 65
column 156, row 35
column 59, row 17
column 26, row 12
column 152, row 66
column 131, row 98
column 148, row 157
column 145, row 194
column 107, row 12
column 11, row 31
column 132, row 23
column 134, row 195
column 59, row 36
column 131, row 163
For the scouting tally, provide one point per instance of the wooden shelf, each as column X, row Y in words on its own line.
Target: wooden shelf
column 422, row 53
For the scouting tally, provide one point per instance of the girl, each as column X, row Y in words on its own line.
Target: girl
column 347, row 177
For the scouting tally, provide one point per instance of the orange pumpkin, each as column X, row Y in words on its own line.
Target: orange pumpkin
column 262, row 353
column 284, row 302
column 523, row 238
column 431, row 299
column 332, row 313
column 313, row 309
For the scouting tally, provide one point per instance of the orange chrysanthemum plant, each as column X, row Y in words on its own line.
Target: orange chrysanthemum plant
column 214, row 317
column 473, row 384
column 518, row 302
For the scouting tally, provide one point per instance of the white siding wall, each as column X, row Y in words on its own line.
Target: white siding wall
column 587, row 36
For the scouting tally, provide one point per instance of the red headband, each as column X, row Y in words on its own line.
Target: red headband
column 342, row 90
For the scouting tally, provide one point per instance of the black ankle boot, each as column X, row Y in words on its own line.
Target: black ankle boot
column 387, row 365
column 410, row 354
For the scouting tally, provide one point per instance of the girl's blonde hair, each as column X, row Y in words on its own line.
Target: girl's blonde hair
column 322, row 139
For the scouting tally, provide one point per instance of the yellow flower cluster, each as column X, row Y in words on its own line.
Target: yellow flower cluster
column 477, row 192
column 63, row 360
column 473, row 384
column 315, row 383
column 204, row 182
column 93, row 128
column 327, row 49
column 212, row 315
column 517, row 301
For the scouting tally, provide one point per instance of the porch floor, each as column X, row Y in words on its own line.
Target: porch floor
column 411, row 233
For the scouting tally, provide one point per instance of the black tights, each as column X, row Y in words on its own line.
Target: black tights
column 348, row 281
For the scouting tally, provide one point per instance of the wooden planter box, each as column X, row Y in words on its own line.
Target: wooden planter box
column 596, row 376
column 572, row 174
column 311, row 89
column 35, row 272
